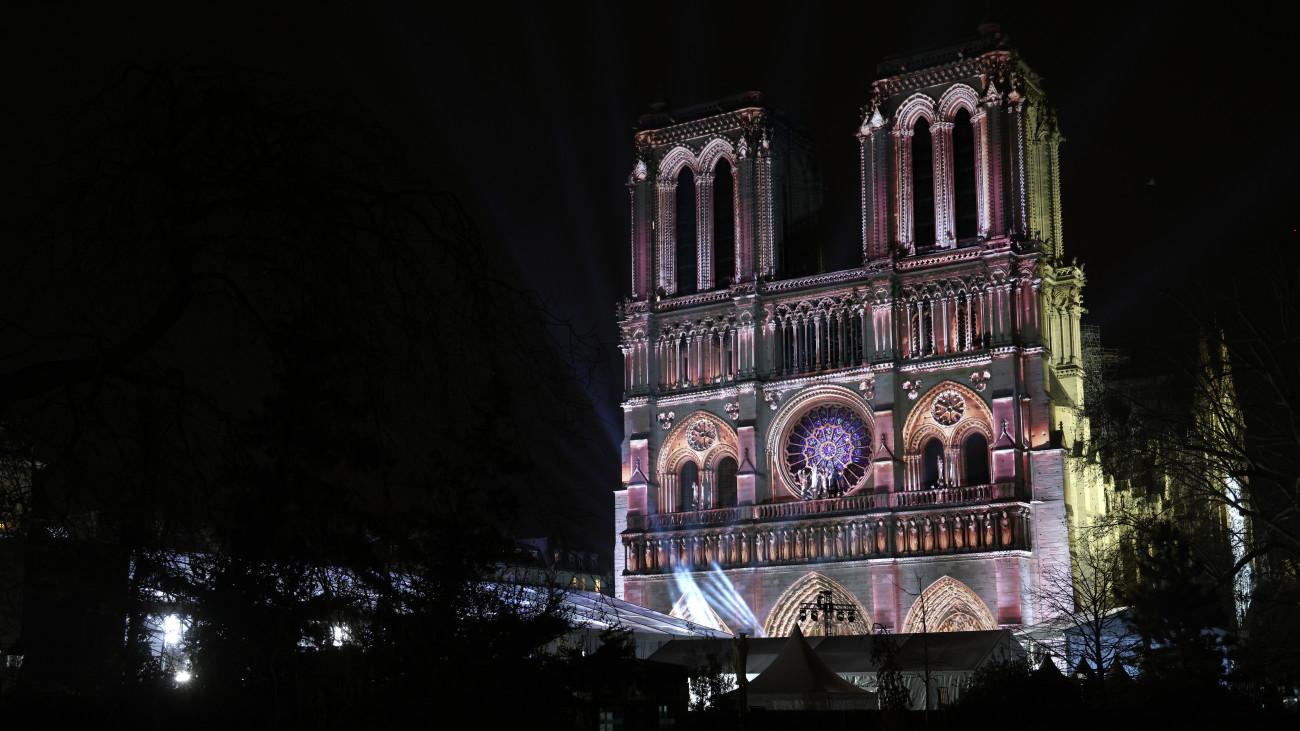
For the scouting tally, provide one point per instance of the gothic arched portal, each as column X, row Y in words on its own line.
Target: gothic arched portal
column 785, row 613
column 949, row 606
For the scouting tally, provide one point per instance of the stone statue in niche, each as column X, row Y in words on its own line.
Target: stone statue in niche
column 972, row 533
column 943, row 534
column 695, row 496
column 900, row 537
column 1005, row 524
column 927, row 535
column 988, row 530
column 958, row 535
column 882, row 538
column 913, row 538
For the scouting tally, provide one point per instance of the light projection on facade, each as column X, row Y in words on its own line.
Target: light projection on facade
column 886, row 422
column 828, row 451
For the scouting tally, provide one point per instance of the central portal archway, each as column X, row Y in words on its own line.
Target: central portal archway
column 785, row 614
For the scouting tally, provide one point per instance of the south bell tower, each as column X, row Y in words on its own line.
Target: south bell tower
column 883, row 432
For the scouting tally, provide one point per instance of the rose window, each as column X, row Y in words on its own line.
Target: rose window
column 948, row 408
column 702, row 435
column 828, row 447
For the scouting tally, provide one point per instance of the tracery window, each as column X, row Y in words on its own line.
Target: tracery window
column 828, row 451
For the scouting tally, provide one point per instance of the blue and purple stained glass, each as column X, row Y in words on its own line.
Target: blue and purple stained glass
column 832, row 439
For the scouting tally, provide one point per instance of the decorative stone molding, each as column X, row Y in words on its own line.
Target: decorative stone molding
column 666, row 419
column 773, row 398
column 980, row 379
column 868, row 387
column 733, row 410
column 912, row 387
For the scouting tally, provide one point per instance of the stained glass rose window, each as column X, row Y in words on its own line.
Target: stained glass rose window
column 828, row 450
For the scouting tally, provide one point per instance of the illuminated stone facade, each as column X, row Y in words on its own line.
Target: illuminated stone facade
column 877, row 432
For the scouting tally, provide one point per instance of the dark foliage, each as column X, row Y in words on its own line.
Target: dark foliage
column 278, row 387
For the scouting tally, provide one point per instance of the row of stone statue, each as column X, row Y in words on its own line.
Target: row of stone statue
column 987, row 530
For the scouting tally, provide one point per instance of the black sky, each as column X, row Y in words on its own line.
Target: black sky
column 1180, row 126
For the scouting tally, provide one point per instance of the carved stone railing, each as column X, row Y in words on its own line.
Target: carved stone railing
column 951, row 495
column 828, row 537
column 852, row 504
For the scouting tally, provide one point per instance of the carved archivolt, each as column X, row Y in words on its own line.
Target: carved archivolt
column 917, row 106
column 678, row 446
column 676, row 159
column 922, row 422
column 717, row 149
column 793, row 408
column 785, row 613
column 949, row 606
column 956, row 98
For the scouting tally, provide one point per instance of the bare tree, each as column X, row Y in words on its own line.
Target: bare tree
column 1208, row 438
column 1084, row 602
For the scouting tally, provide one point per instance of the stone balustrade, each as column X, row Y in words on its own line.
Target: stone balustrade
column 971, row 519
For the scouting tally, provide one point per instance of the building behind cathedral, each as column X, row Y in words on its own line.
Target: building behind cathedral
column 887, row 433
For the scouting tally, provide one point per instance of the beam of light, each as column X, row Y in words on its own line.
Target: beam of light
column 697, row 607
column 714, row 595
column 724, row 594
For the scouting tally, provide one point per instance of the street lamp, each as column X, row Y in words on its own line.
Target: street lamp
column 828, row 610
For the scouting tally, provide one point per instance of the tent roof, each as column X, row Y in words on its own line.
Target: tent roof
column 798, row 669
column 851, row 654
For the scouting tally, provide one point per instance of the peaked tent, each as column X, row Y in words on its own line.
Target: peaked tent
column 798, row 680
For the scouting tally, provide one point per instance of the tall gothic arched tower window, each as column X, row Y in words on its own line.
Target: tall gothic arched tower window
column 685, row 221
column 922, row 184
column 724, row 225
column 963, row 159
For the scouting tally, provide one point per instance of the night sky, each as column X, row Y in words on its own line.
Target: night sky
column 1180, row 147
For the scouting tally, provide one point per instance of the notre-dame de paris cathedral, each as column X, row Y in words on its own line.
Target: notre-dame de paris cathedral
column 888, row 433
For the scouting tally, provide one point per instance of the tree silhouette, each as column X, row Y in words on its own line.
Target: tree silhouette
column 274, row 380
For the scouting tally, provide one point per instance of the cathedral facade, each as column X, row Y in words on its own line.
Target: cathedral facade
column 893, row 434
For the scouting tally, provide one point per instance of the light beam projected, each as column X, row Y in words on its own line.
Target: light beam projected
column 711, row 598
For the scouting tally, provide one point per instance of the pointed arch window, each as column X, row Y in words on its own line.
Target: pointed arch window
column 688, row 487
column 724, row 225
column 931, row 461
column 727, row 470
column 684, row 234
column 975, row 460
column 963, row 158
column 922, row 184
